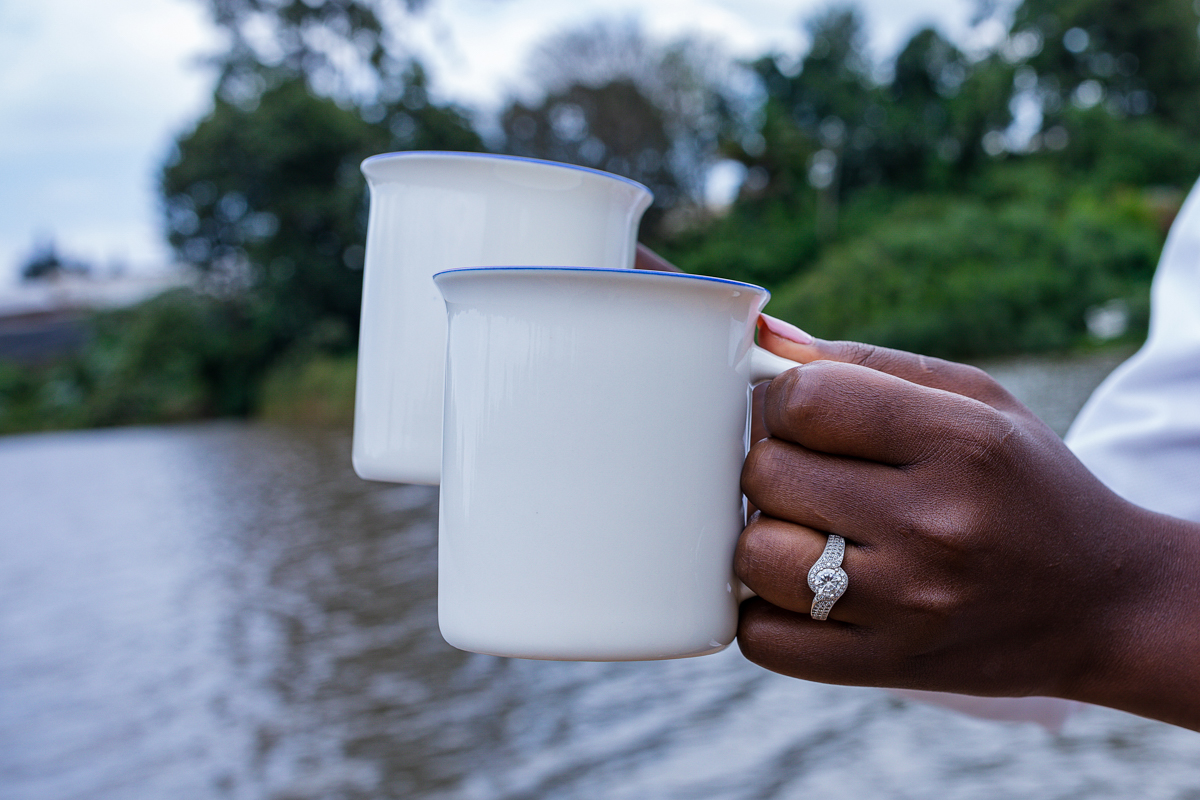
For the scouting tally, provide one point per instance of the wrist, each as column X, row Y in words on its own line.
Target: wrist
column 1144, row 656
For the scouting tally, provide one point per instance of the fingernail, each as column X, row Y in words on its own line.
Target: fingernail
column 785, row 330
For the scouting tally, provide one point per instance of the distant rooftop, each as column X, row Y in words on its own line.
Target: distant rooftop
column 44, row 319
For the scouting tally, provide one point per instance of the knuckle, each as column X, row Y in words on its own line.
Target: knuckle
column 892, row 362
column 966, row 374
column 755, row 639
column 939, row 605
column 971, row 436
column 943, row 525
column 909, row 523
column 985, row 443
column 793, row 400
column 866, row 355
column 765, row 465
column 976, row 383
column 954, row 527
column 754, row 550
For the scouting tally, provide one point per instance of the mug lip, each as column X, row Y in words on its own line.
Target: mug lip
column 401, row 154
column 642, row 274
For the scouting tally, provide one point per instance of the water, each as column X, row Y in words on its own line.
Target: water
column 226, row 611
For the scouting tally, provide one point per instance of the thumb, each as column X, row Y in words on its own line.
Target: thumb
column 784, row 339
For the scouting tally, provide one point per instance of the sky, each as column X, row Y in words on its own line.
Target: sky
column 92, row 95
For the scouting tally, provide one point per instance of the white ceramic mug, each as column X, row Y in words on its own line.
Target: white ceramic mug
column 595, row 428
column 435, row 211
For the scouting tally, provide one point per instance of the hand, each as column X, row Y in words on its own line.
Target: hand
column 648, row 259
column 983, row 557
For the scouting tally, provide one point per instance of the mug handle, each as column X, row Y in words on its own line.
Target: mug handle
column 764, row 365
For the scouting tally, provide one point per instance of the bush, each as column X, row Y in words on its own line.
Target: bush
column 182, row 355
column 961, row 277
column 310, row 389
column 766, row 245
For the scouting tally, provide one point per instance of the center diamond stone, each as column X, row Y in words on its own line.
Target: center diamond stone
column 828, row 582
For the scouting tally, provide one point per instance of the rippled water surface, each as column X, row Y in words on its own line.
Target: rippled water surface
column 226, row 611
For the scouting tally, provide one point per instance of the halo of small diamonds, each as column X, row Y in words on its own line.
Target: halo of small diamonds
column 826, row 578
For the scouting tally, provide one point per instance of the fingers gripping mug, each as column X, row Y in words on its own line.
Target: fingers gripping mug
column 435, row 211
column 595, row 426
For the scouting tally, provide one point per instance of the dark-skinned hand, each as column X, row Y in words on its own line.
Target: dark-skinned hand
column 983, row 557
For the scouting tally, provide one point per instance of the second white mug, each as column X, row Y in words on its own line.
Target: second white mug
column 595, row 428
column 435, row 211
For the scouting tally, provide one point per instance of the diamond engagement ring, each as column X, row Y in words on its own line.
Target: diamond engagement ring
column 827, row 579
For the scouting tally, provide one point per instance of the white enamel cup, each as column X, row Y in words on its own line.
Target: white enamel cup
column 595, row 428
column 435, row 211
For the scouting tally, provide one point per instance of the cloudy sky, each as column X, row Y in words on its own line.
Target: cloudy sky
column 92, row 94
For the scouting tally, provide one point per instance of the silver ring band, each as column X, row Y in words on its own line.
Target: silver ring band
column 827, row 579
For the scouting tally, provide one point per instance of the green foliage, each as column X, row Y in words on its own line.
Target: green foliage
column 1144, row 56
column 764, row 243
column 269, row 203
column 266, row 200
column 961, row 277
column 310, row 389
column 1107, row 151
column 614, row 100
column 922, row 129
column 38, row 399
column 612, row 127
column 899, row 211
column 178, row 356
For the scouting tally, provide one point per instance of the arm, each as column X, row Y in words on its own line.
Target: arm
column 983, row 558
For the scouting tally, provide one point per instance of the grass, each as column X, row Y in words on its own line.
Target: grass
column 315, row 391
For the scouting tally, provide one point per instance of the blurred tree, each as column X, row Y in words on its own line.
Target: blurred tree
column 264, row 195
column 826, row 100
column 612, row 127
column 962, row 229
column 45, row 263
column 342, row 47
column 940, row 108
column 271, row 200
column 269, row 204
column 923, row 127
column 915, row 122
column 834, row 80
column 1131, row 58
column 617, row 101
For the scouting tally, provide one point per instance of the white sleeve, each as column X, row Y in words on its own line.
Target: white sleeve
column 1140, row 430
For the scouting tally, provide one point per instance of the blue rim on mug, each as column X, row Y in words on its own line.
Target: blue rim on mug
column 646, row 274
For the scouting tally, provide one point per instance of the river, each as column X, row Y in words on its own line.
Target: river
column 224, row 610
